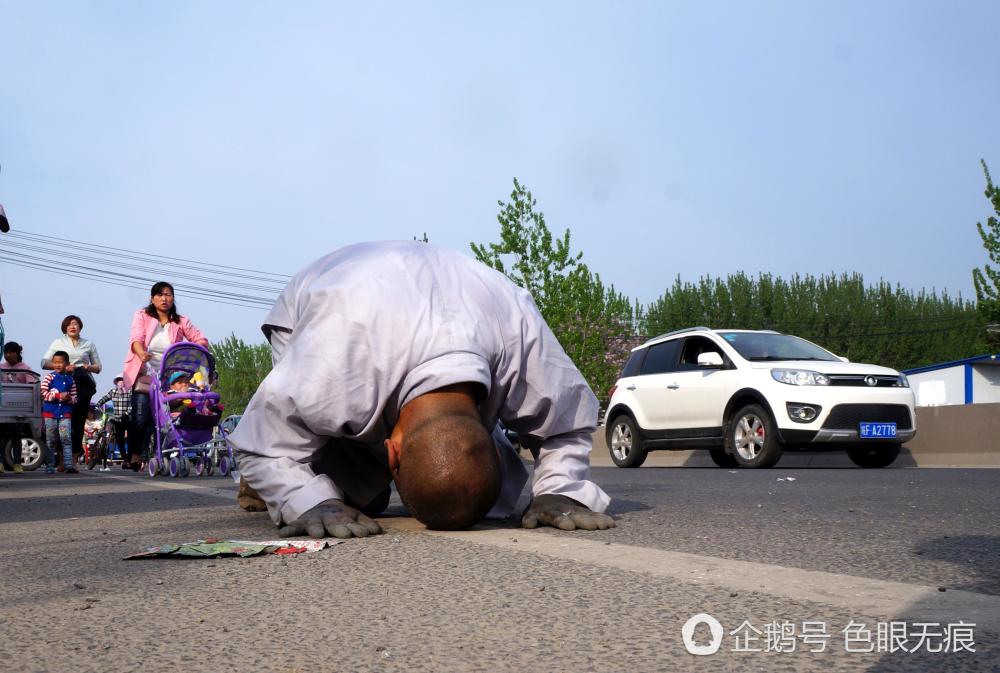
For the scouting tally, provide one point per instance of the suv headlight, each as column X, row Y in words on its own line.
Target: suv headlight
column 902, row 382
column 799, row 377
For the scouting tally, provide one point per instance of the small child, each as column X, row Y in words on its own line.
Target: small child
column 91, row 429
column 58, row 398
column 180, row 382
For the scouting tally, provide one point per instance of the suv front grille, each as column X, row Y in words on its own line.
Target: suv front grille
column 859, row 380
column 849, row 416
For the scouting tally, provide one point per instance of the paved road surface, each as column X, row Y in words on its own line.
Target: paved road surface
column 832, row 546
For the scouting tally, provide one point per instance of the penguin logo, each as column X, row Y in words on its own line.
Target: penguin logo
column 687, row 634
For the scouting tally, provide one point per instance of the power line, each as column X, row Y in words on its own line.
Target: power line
column 123, row 281
column 60, row 264
column 104, row 264
column 65, row 259
column 142, row 255
column 62, row 256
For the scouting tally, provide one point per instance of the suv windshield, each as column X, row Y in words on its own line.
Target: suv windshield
column 758, row 347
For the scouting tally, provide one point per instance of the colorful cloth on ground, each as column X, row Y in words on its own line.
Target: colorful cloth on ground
column 212, row 548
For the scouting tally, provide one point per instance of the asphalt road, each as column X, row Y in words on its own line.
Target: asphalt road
column 831, row 547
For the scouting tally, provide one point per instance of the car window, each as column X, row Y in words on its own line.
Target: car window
column 693, row 347
column 661, row 358
column 766, row 347
column 634, row 361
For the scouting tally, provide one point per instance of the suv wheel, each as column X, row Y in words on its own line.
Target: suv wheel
column 870, row 455
column 752, row 438
column 624, row 443
column 723, row 459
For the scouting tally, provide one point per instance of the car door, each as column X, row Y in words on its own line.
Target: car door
column 651, row 393
column 697, row 394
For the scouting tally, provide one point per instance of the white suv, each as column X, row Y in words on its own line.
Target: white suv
column 749, row 395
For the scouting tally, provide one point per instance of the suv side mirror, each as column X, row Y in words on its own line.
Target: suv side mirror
column 843, row 359
column 710, row 360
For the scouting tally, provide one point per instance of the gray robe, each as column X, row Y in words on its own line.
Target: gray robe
column 361, row 332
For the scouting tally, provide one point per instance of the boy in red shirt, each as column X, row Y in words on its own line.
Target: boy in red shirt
column 58, row 398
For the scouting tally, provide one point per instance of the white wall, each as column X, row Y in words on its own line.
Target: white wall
column 985, row 383
column 940, row 387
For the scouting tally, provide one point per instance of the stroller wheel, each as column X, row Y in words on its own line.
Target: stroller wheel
column 152, row 467
column 174, row 466
column 185, row 466
column 199, row 467
column 224, row 465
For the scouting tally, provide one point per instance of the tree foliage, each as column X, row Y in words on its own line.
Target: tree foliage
column 590, row 320
column 241, row 368
column 597, row 326
column 878, row 323
column 987, row 279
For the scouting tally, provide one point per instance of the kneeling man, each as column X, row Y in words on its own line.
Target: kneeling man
column 394, row 362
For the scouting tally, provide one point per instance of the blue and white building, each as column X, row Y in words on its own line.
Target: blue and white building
column 970, row 381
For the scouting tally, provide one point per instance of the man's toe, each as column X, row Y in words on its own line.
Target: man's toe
column 565, row 523
column 249, row 499
column 251, row 504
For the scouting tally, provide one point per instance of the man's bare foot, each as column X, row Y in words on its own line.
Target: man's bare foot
column 248, row 498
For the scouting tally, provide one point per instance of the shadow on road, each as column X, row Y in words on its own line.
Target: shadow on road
column 620, row 506
column 912, row 651
column 35, row 505
column 978, row 554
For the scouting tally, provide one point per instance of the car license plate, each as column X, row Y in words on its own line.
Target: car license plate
column 877, row 431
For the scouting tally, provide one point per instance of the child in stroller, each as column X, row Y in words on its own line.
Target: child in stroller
column 94, row 441
column 180, row 382
column 186, row 414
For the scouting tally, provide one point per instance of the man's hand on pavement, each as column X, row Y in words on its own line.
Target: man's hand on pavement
column 563, row 513
column 331, row 517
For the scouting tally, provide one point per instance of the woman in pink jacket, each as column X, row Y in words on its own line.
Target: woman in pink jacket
column 154, row 329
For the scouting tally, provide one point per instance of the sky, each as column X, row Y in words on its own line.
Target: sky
column 671, row 138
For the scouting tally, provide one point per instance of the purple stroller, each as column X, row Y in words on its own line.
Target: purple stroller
column 192, row 434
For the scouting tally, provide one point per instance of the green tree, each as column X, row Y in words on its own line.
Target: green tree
column 541, row 265
column 241, row 367
column 878, row 323
column 594, row 323
column 987, row 279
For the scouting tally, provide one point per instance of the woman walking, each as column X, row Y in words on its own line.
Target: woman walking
column 84, row 362
column 154, row 329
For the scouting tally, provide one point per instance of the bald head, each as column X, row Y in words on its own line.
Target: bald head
column 449, row 472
